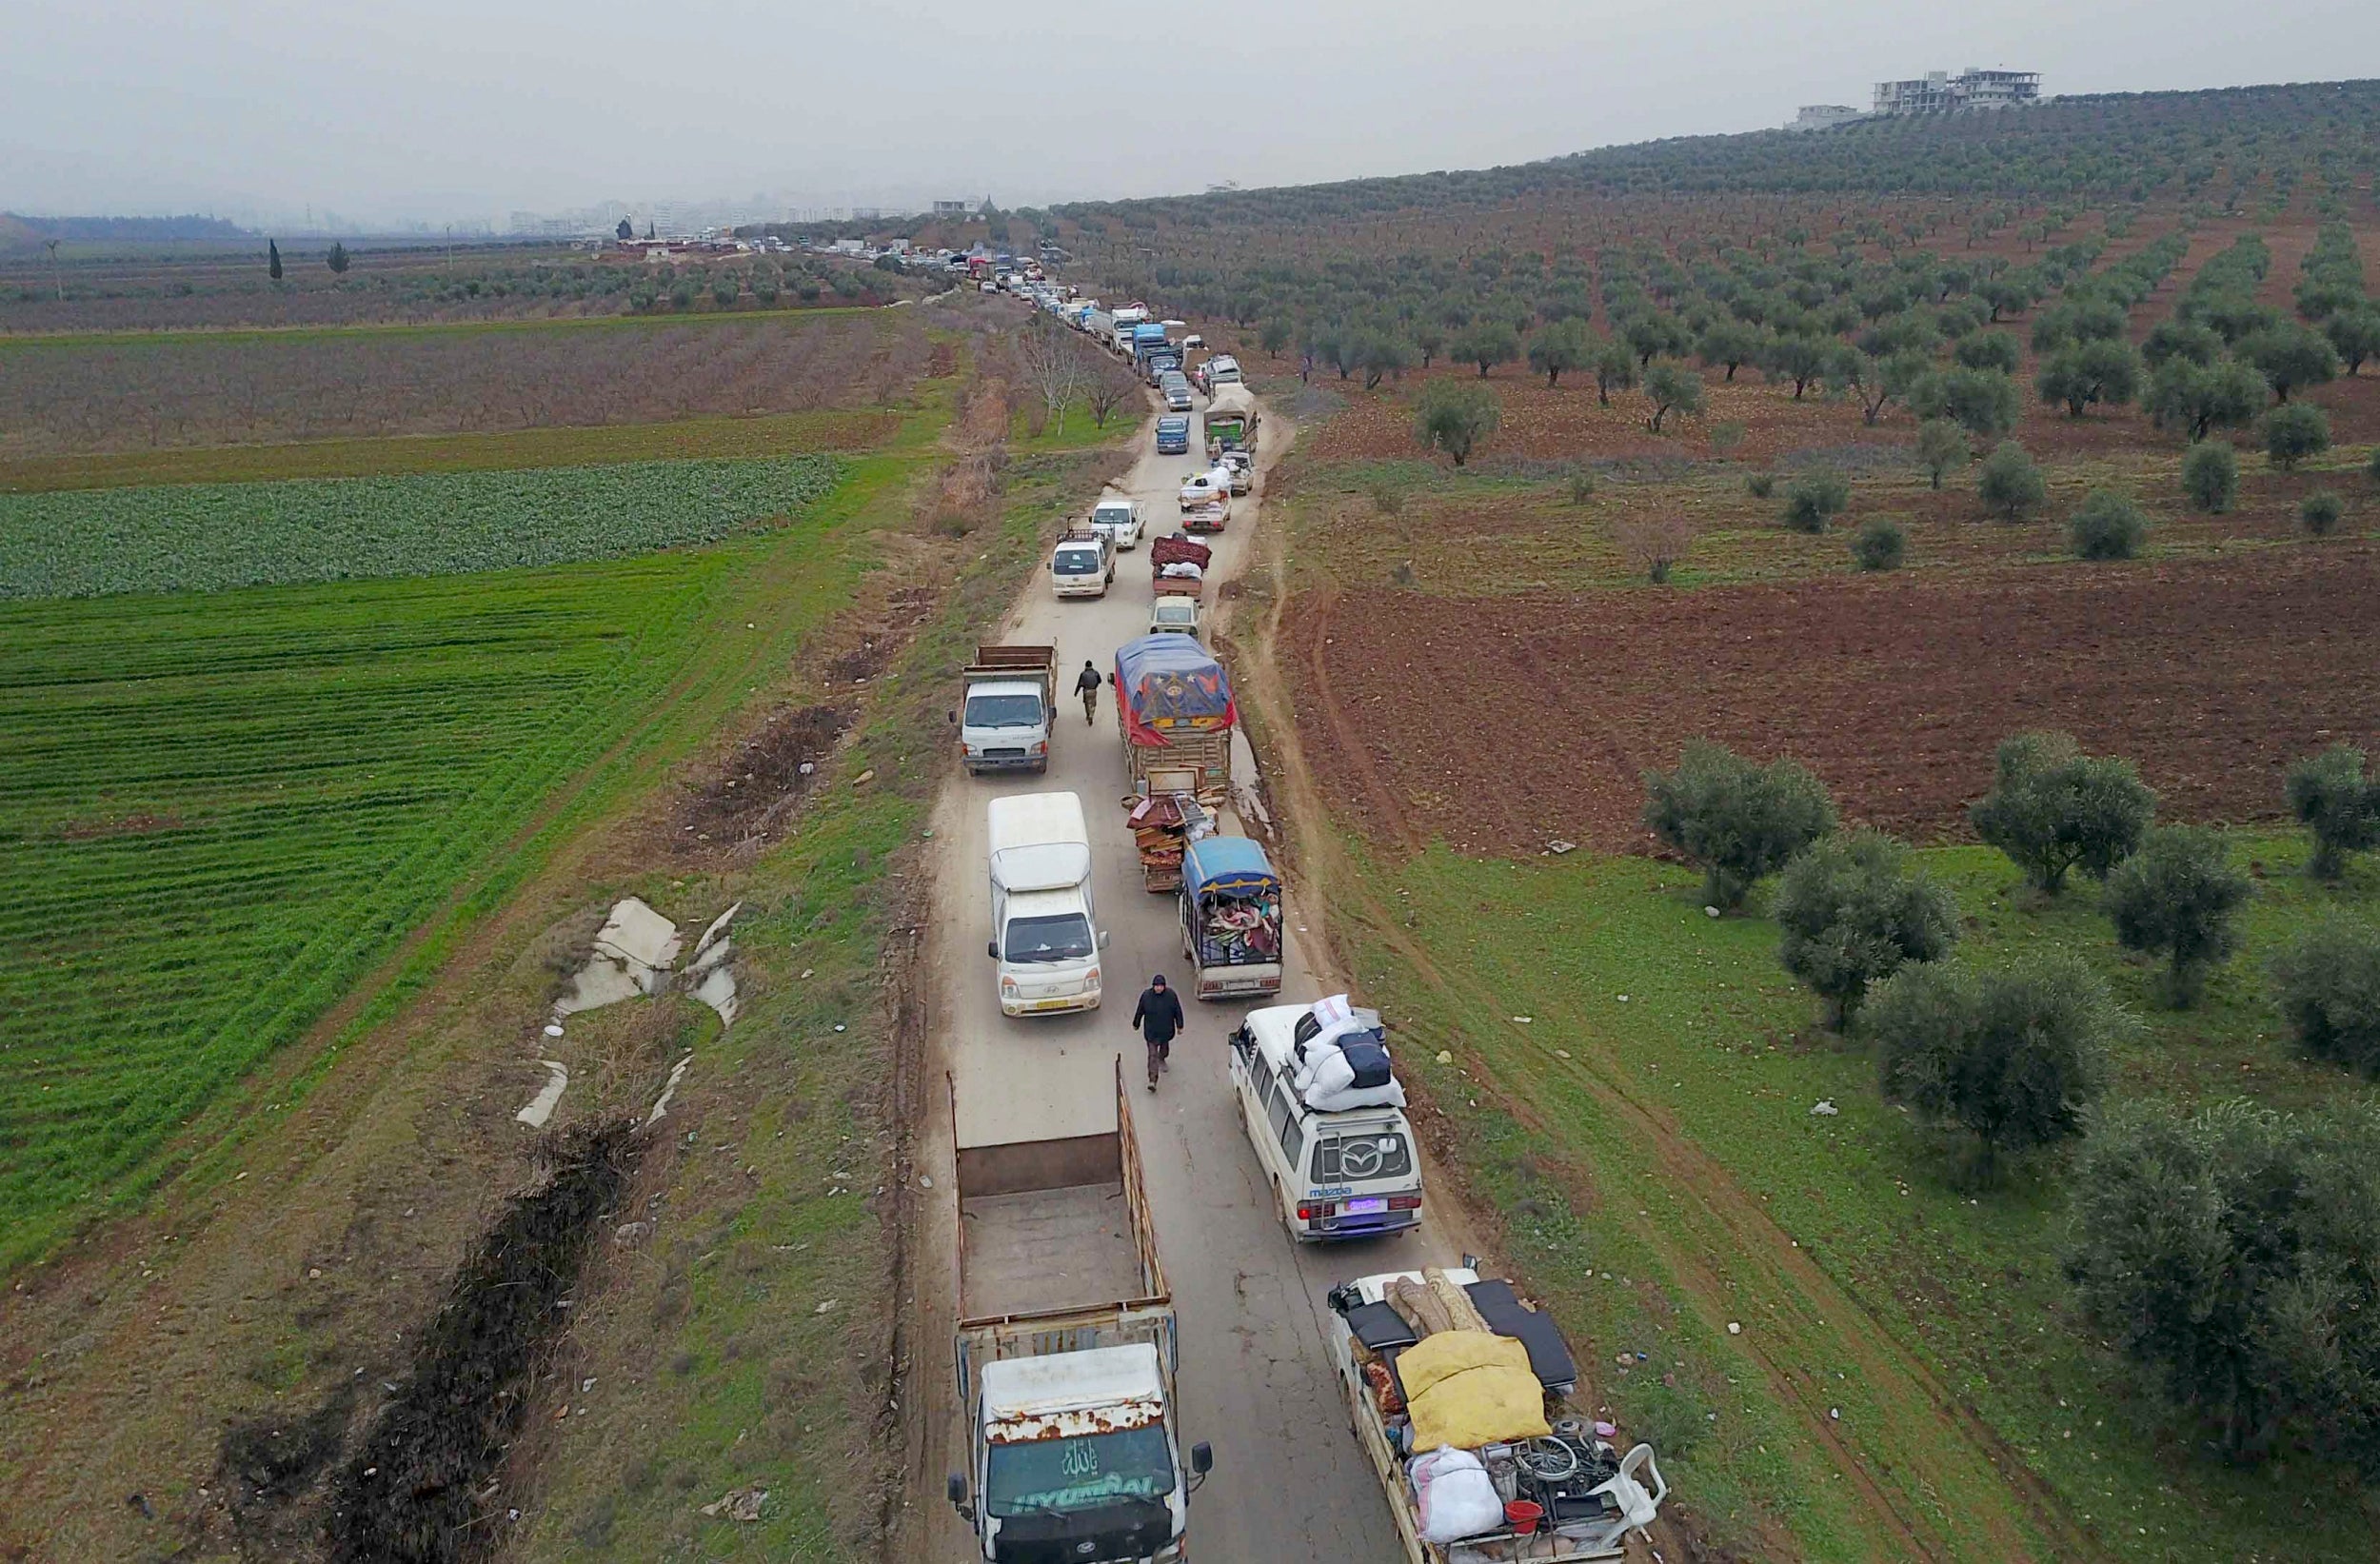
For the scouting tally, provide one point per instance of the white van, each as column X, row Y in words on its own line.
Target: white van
column 1117, row 519
column 1045, row 940
column 1350, row 1174
column 1082, row 565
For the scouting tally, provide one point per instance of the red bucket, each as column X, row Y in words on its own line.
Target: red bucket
column 1522, row 1515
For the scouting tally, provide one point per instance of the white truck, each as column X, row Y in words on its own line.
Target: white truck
column 1005, row 717
column 1065, row 1354
column 1082, row 565
column 1046, row 942
column 1555, row 1493
column 1117, row 519
column 1119, row 325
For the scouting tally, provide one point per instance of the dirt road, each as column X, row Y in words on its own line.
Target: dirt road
column 1289, row 1480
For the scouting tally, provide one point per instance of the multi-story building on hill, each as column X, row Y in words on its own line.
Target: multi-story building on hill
column 1939, row 92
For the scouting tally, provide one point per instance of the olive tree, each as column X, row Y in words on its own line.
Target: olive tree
column 2227, row 1253
column 1486, row 344
column 1941, row 447
column 2053, row 809
column 1558, row 346
column 2199, row 398
column 2010, row 482
column 2090, row 373
column 2106, row 525
column 1815, row 499
column 2294, row 432
column 1454, row 418
column 1983, row 402
column 2332, row 798
column 1736, row 820
column 2014, row 1057
column 1672, row 388
column 2179, row 897
column 2289, row 358
column 2327, row 984
column 2211, row 477
column 1854, row 911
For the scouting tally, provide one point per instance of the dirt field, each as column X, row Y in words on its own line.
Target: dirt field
column 2212, row 674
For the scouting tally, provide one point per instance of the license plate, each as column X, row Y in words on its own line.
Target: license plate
column 1367, row 1208
column 1053, row 1004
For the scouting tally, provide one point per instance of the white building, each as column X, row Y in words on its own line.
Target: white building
column 1939, row 92
column 1824, row 116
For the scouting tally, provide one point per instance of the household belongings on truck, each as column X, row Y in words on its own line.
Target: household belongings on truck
column 1211, row 517
column 1175, row 713
column 1340, row 1056
column 1178, row 565
column 1164, row 825
column 1462, row 1374
column 1234, row 903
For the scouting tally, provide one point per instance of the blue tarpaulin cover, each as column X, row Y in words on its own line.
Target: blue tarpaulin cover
column 1169, row 682
column 1228, row 865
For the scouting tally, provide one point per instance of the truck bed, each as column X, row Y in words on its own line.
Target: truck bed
column 1045, row 1248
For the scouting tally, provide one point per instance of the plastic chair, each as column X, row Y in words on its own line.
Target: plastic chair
column 1636, row 1505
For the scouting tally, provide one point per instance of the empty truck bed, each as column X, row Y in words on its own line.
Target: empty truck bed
column 1044, row 1249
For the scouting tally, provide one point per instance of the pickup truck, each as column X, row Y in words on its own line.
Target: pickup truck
column 1082, row 565
column 1204, row 487
column 1548, row 1492
column 1167, row 558
column 1118, row 520
column 1004, row 716
column 1066, row 1353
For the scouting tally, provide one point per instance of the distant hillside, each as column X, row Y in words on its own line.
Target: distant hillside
column 20, row 233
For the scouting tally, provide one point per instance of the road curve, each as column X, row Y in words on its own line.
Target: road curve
column 1289, row 1482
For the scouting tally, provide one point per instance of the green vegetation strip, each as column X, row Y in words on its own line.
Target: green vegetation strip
column 777, row 435
column 1648, row 1141
column 226, row 811
column 214, row 537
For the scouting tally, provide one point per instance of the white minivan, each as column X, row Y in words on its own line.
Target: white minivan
column 1045, row 940
column 1353, row 1173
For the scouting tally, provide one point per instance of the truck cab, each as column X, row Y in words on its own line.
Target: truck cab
column 1173, row 435
column 1117, row 519
column 1005, row 708
column 1082, row 565
column 1349, row 1172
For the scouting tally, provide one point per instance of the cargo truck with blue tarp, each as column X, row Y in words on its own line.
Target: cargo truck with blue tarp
column 1174, row 706
column 1231, row 918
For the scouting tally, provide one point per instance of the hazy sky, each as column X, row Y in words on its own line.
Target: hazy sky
column 444, row 110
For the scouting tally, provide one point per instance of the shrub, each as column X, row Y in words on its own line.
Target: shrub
column 2331, row 797
column 2211, row 477
column 1813, row 499
column 1879, row 545
column 1726, row 437
column 2178, row 897
column 2228, row 1253
column 1581, row 485
column 1388, row 496
column 2328, row 987
column 2319, row 512
column 1655, row 544
column 1854, row 913
column 2014, row 1057
column 2010, row 482
column 2054, row 809
column 2293, row 431
column 2107, row 526
column 1761, row 484
column 1735, row 820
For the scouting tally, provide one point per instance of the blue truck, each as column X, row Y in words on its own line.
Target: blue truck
column 1173, row 435
column 1152, row 354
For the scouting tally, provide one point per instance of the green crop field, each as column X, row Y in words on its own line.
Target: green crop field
column 224, row 810
column 208, row 537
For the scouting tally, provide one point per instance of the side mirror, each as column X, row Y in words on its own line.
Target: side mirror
column 991, row 948
column 956, row 1487
column 1104, row 937
column 952, row 716
column 1201, row 1462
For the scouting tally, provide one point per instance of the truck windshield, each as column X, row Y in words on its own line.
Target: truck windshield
column 1068, row 1475
column 1003, row 711
column 1381, row 1153
column 1106, row 517
column 1063, row 937
column 1078, row 562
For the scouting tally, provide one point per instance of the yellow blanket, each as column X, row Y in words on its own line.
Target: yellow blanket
column 1470, row 1388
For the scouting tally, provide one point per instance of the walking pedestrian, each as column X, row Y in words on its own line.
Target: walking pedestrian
column 1158, row 1016
column 1086, row 684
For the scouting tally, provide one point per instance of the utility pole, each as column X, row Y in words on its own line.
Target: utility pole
column 58, row 278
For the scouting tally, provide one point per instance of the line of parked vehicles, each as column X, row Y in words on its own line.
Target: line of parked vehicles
column 1068, row 1348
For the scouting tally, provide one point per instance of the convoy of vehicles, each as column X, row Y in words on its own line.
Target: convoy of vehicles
column 1082, row 565
column 1326, row 1116
column 1046, row 942
column 1006, row 715
column 1065, row 1354
column 1496, row 1469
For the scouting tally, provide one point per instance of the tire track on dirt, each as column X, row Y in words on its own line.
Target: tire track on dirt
column 1316, row 612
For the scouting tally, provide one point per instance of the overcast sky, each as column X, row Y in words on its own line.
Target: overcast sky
column 444, row 110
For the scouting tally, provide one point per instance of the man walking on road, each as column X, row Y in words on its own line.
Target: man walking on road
column 1159, row 1017
column 1086, row 684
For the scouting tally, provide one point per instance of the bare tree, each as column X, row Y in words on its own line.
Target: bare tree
column 1052, row 365
column 1108, row 386
column 1655, row 545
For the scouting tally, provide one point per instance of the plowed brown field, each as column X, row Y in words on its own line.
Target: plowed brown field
column 1500, row 725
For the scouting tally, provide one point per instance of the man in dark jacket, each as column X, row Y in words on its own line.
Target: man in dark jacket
column 1086, row 684
column 1158, row 1016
